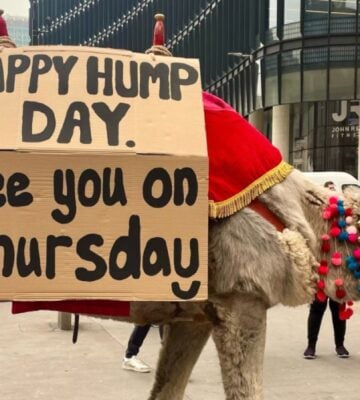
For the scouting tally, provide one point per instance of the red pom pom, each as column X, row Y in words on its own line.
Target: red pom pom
column 335, row 232
column 320, row 285
column 323, row 270
column 350, row 303
column 348, row 212
column 323, row 262
column 325, row 247
column 345, row 314
column 321, row 296
column 340, row 293
column 333, row 200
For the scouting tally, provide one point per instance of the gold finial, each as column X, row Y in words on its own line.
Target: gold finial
column 159, row 17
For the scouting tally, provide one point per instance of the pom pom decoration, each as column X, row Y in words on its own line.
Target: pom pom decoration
column 339, row 282
column 323, row 270
column 352, row 238
column 350, row 259
column 353, row 266
column 325, row 246
column 327, row 214
column 345, row 314
column 351, row 229
column 336, row 259
column 348, row 212
column 320, row 285
column 335, row 232
column 333, row 200
column 340, row 293
column 342, row 224
column 341, row 210
column 356, row 253
column 321, row 296
column 343, row 236
column 341, row 228
column 348, row 219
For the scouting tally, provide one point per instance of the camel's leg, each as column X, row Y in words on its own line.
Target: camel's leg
column 182, row 345
column 239, row 336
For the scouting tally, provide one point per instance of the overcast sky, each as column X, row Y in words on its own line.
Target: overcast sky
column 15, row 7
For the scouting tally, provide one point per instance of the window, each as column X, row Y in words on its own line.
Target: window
column 271, row 81
column 316, row 17
column 290, row 76
column 272, row 13
column 315, row 73
column 272, row 21
column 292, row 10
column 292, row 14
column 343, row 16
column 342, row 72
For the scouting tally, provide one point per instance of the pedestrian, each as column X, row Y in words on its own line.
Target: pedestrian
column 131, row 361
column 317, row 310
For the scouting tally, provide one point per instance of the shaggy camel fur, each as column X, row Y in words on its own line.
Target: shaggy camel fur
column 251, row 267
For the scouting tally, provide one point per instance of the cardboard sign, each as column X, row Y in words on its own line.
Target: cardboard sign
column 103, row 176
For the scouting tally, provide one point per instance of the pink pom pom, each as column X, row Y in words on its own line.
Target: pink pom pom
column 356, row 253
column 351, row 229
column 333, row 200
column 339, row 282
column 349, row 220
column 326, row 214
column 335, row 232
column 333, row 207
column 336, row 262
column 352, row 238
column 325, row 236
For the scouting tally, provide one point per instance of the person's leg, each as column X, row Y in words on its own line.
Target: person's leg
column 339, row 325
column 339, row 329
column 316, row 313
column 136, row 340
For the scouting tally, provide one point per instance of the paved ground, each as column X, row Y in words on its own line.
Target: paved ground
column 39, row 362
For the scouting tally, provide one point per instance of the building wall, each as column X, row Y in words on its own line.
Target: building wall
column 302, row 54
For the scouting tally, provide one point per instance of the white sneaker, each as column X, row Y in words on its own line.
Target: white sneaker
column 135, row 364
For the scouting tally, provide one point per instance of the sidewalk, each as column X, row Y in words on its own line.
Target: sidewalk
column 39, row 362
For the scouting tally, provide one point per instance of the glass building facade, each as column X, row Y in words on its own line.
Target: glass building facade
column 290, row 66
column 18, row 28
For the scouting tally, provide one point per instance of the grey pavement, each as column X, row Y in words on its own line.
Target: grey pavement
column 39, row 362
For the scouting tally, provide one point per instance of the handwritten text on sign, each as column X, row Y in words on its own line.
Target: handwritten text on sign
column 103, row 181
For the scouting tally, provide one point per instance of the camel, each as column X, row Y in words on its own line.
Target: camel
column 252, row 267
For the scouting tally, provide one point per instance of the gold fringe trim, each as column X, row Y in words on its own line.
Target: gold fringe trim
column 230, row 206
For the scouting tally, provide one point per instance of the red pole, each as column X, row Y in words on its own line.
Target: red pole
column 3, row 28
column 159, row 30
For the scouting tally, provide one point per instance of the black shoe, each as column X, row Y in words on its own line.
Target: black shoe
column 342, row 352
column 309, row 353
